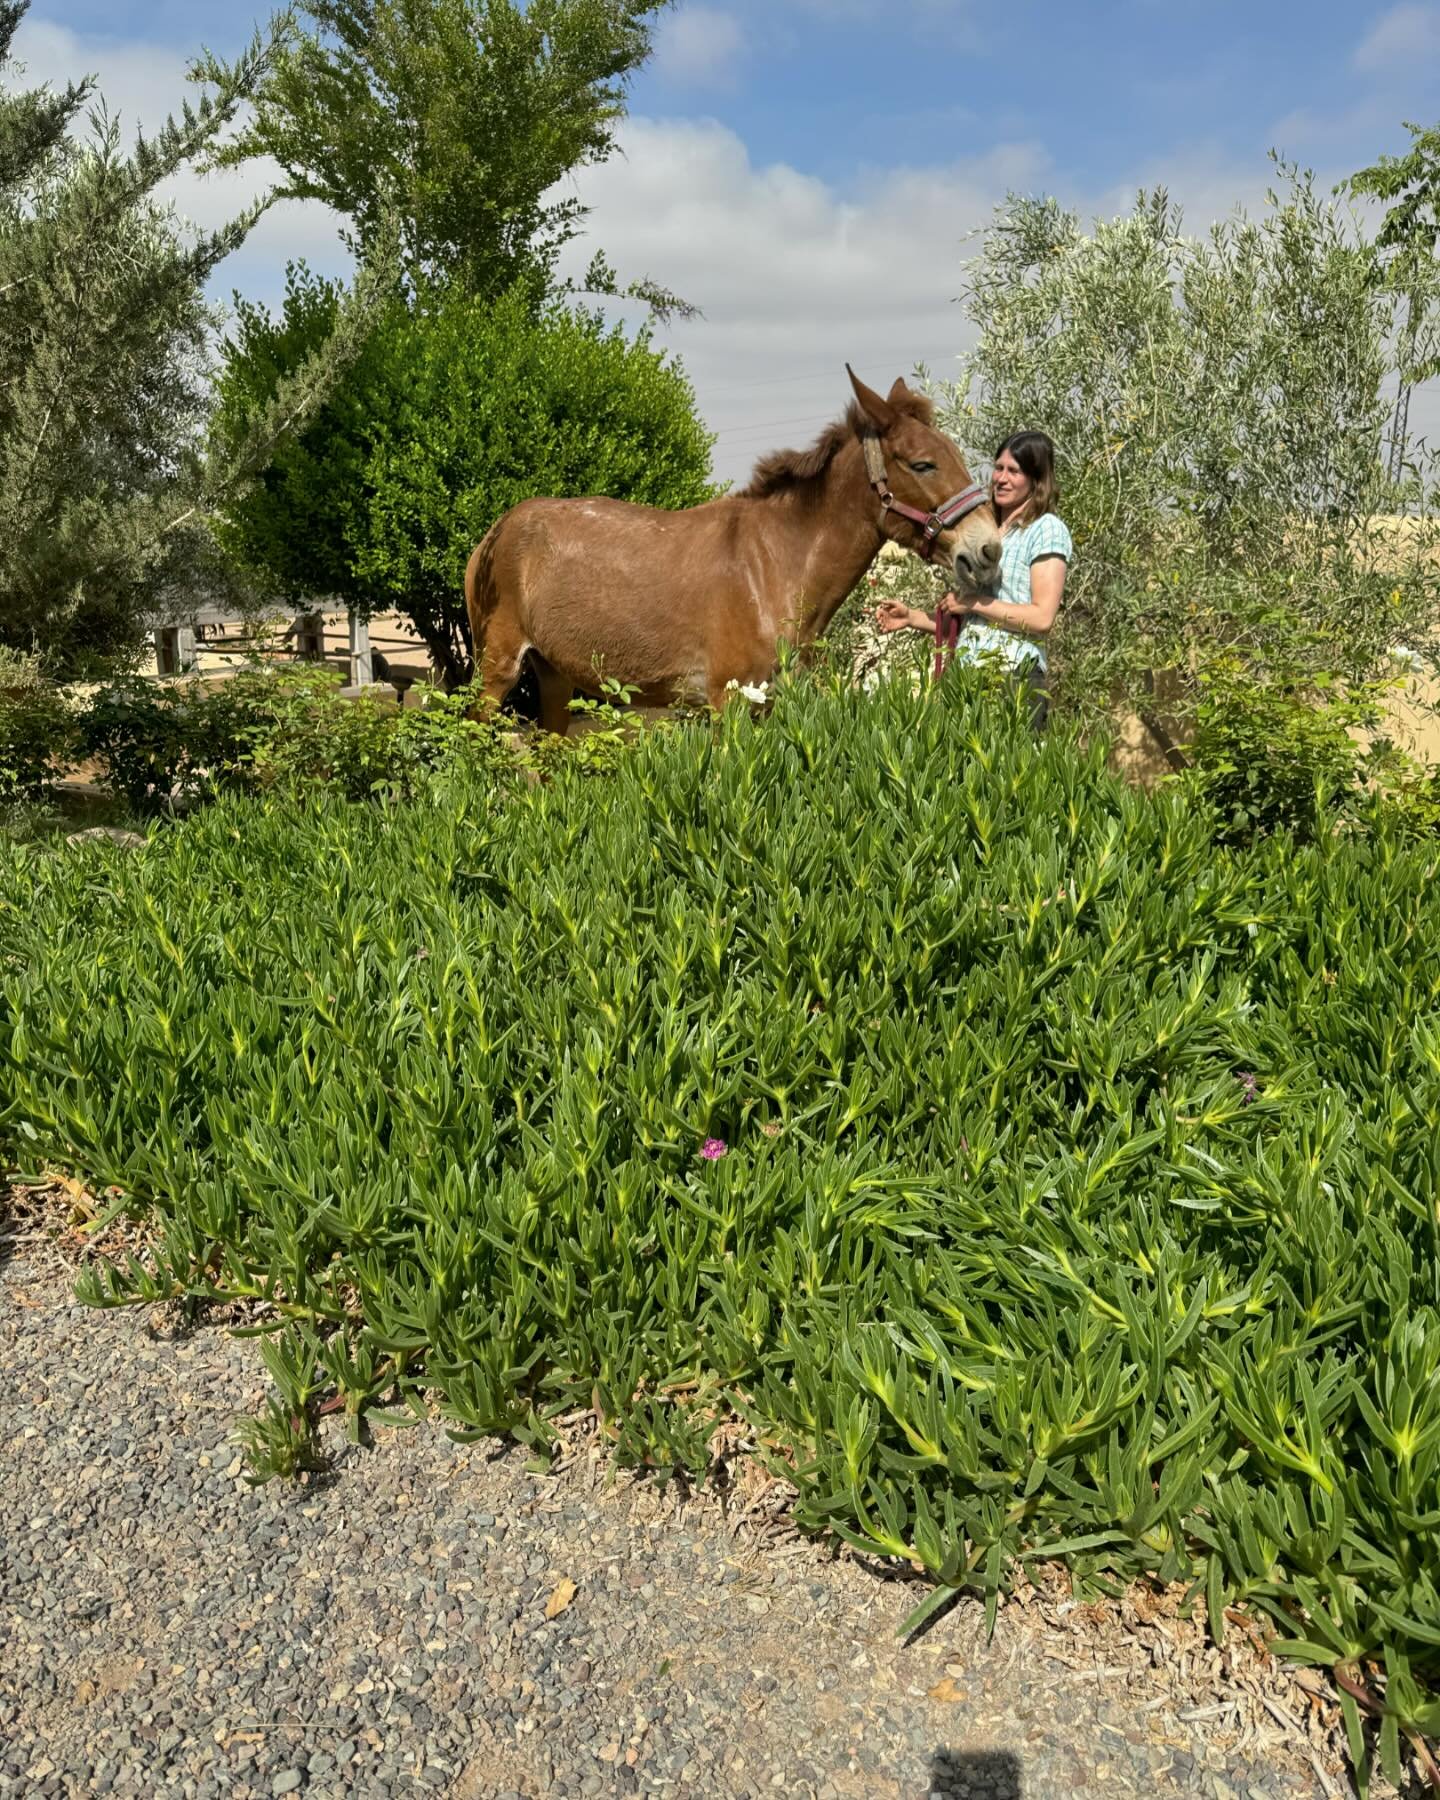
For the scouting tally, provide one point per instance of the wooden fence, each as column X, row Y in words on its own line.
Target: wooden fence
column 178, row 646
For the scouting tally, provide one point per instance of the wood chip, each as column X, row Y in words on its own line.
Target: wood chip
column 560, row 1599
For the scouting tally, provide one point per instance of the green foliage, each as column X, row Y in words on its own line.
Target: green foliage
column 601, row 731
column 37, row 728
column 457, row 410
column 1077, row 1194
column 464, row 114
column 105, row 494
column 1269, row 758
column 1412, row 183
column 298, row 523
column 302, row 733
column 1406, row 795
column 151, row 742
column 1218, row 411
column 1407, row 242
column 162, row 748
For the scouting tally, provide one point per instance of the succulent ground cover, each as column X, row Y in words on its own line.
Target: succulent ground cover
column 1021, row 1173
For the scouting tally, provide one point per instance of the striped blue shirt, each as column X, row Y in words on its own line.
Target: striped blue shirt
column 1019, row 551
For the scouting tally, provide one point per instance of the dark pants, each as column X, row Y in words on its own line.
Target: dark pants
column 1029, row 682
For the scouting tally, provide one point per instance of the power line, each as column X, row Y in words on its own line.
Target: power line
column 734, row 387
column 774, row 425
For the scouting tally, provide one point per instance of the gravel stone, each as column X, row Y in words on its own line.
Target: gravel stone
column 379, row 1628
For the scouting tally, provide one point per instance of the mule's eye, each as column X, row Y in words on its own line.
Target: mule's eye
column 923, row 468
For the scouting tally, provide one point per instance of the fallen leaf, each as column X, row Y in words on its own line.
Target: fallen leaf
column 560, row 1599
column 947, row 1691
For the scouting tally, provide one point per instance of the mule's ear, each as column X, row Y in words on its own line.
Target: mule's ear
column 880, row 413
column 899, row 393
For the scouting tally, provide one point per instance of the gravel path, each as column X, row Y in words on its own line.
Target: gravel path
column 382, row 1630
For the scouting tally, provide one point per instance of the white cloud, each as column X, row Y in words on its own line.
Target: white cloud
column 794, row 278
column 1404, row 35
column 699, row 47
column 143, row 83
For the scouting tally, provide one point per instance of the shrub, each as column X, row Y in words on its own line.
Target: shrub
column 1276, row 757
column 1033, row 1177
column 299, row 732
column 1406, row 798
column 151, row 742
column 166, row 747
column 37, row 731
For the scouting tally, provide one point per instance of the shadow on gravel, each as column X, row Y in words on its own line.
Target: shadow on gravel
column 983, row 1774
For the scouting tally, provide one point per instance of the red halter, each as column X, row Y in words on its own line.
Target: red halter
column 948, row 513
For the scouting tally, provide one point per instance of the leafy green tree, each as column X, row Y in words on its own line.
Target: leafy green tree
column 466, row 113
column 294, row 530
column 1218, row 405
column 456, row 410
column 1406, row 245
column 105, row 493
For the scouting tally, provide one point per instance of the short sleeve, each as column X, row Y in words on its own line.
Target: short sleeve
column 1049, row 536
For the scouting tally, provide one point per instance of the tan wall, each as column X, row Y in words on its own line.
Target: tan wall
column 1412, row 719
column 1411, row 722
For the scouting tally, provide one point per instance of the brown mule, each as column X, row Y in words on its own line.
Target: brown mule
column 680, row 604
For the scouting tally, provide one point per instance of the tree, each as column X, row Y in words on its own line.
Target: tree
column 467, row 113
column 105, row 495
column 1230, row 382
column 296, row 527
column 455, row 411
column 1218, row 405
column 1406, row 246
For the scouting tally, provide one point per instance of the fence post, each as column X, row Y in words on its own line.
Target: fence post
column 174, row 650
column 309, row 631
column 362, row 662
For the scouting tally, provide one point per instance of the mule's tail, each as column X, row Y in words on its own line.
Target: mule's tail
column 482, row 598
column 480, row 594
column 495, row 632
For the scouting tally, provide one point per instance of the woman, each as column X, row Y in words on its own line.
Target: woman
column 1035, row 553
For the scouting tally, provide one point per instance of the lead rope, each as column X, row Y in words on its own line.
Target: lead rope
column 947, row 636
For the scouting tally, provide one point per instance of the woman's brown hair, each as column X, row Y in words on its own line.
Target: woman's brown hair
column 1035, row 454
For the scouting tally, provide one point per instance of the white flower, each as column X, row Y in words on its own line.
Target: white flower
column 757, row 696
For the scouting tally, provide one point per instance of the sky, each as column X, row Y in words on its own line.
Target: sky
column 810, row 173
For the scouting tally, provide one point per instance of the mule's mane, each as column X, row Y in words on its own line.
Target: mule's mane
column 789, row 468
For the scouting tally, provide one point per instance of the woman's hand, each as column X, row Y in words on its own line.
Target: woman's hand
column 958, row 606
column 895, row 615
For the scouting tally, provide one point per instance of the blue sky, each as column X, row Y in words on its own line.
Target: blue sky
column 807, row 170
column 1105, row 89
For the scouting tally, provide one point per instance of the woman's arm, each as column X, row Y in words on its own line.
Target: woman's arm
column 895, row 615
column 1047, row 589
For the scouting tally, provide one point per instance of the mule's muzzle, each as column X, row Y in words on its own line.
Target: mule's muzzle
column 978, row 564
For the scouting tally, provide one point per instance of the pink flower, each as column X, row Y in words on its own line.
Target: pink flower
column 714, row 1148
